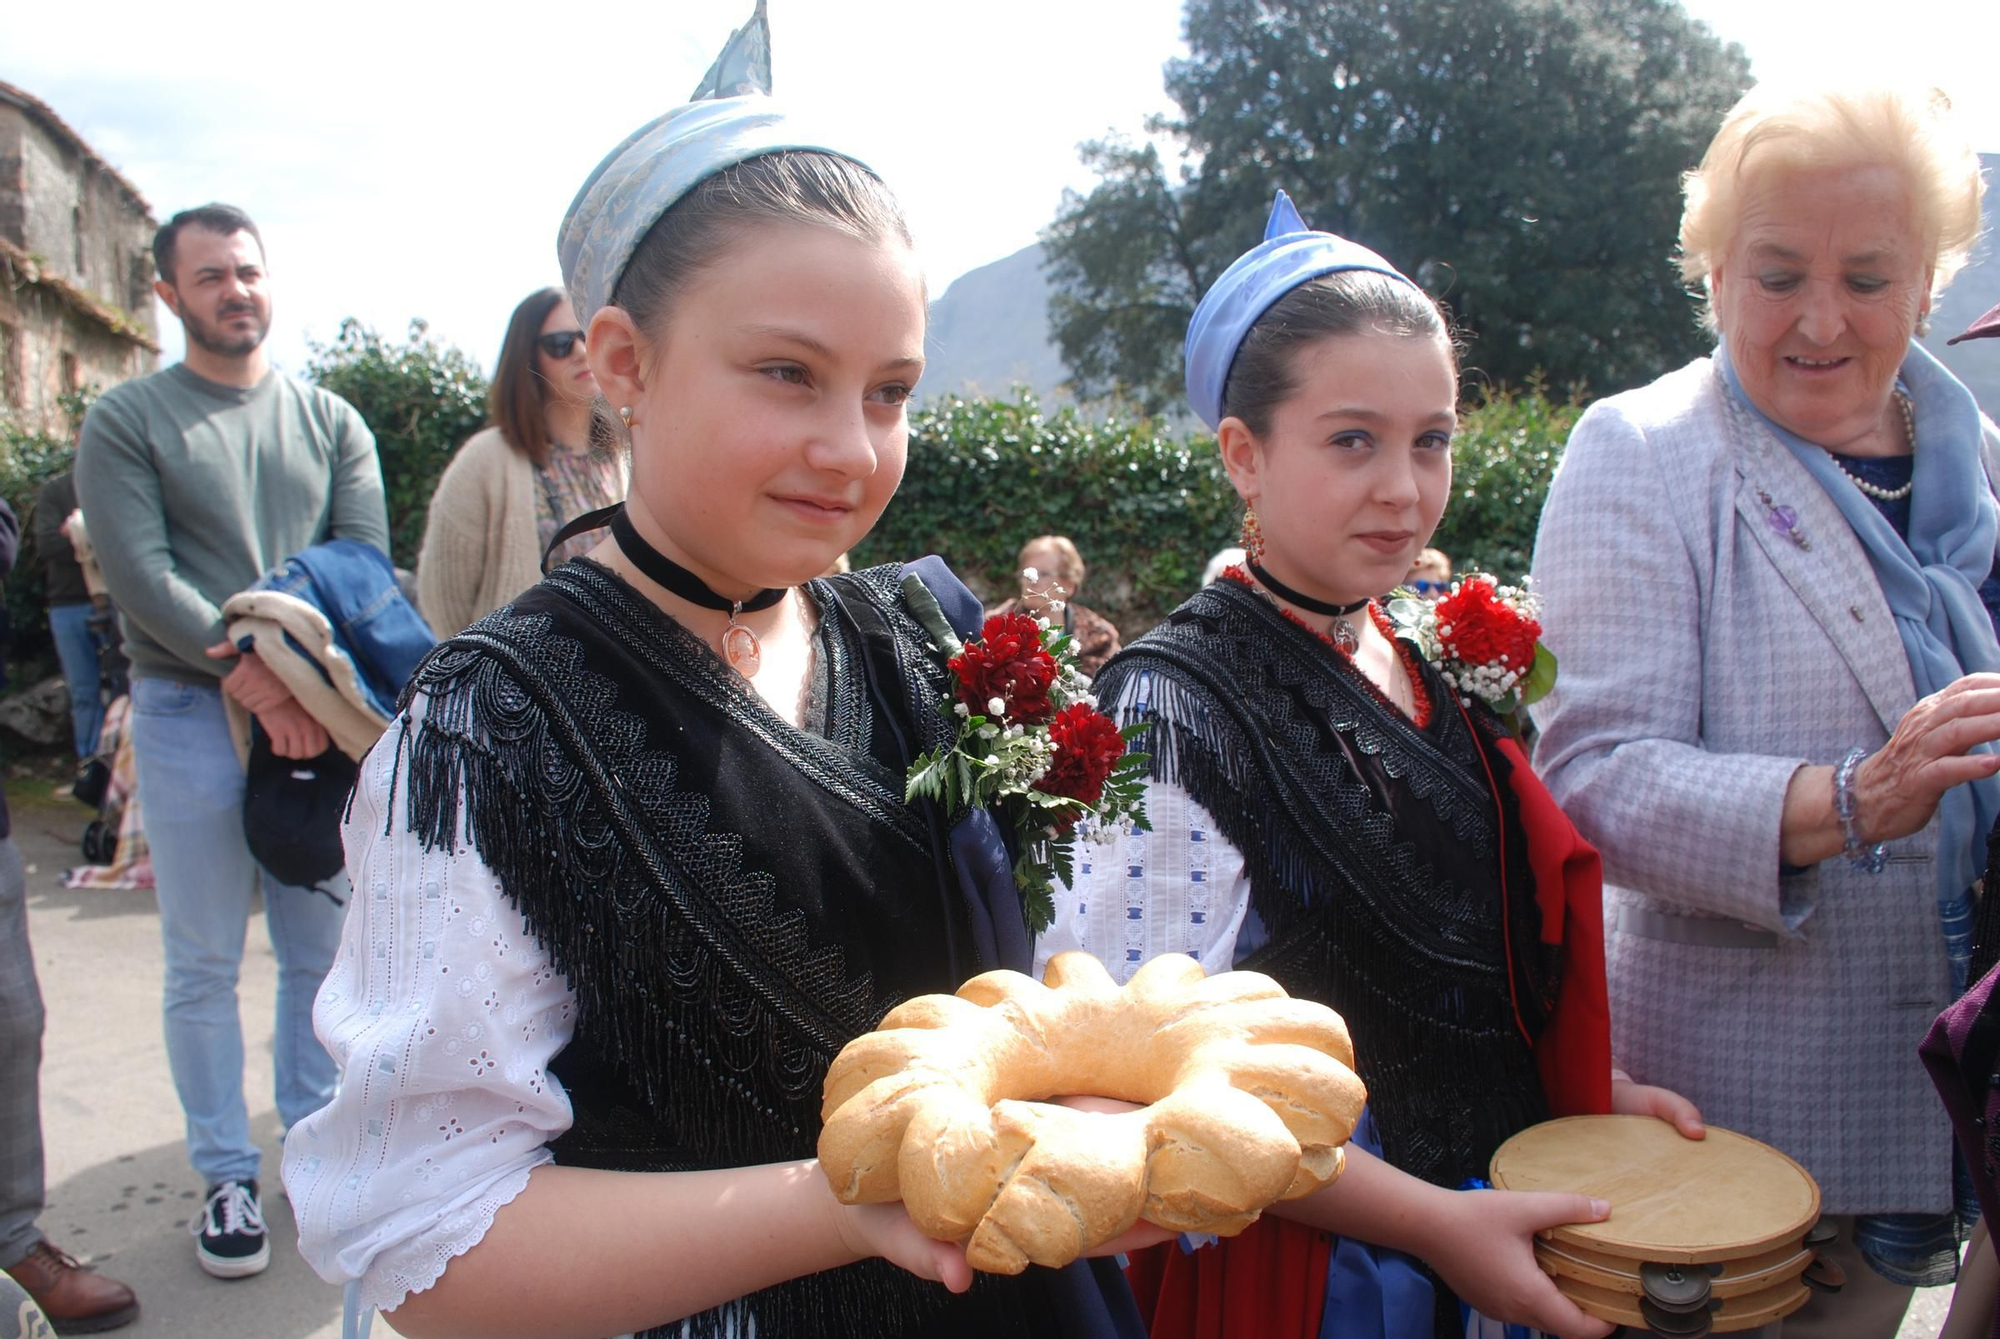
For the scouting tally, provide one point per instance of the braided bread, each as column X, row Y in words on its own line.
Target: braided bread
column 1246, row 1094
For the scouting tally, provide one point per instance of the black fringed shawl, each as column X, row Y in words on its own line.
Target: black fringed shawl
column 1374, row 861
column 731, row 898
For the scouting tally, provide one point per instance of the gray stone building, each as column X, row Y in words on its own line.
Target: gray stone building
column 76, row 268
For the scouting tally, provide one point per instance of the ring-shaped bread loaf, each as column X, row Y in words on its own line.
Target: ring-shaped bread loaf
column 1245, row 1096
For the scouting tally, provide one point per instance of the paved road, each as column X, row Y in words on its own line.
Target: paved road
column 120, row 1190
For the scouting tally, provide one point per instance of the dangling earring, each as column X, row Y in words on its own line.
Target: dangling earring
column 625, row 416
column 1253, row 535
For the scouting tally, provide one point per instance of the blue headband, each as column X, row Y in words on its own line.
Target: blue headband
column 729, row 119
column 1289, row 255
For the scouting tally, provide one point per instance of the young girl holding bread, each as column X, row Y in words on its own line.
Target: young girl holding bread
column 635, row 861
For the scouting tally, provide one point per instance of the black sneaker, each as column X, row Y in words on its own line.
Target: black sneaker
column 229, row 1232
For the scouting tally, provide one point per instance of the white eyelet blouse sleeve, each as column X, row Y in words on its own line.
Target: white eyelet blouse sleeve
column 442, row 1014
column 1179, row 888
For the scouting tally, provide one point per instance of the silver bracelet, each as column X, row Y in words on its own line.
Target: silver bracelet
column 1868, row 858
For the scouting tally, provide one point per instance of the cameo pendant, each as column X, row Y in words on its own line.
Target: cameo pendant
column 739, row 646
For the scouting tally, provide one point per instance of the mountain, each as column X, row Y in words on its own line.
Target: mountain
column 989, row 332
column 1976, row 291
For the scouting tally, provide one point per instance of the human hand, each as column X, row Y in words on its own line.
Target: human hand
column 1898, row 788
column 1485, row 1252
column 252, row 684
column 293, row 731
column 886, row 1230
column 1643, row 1099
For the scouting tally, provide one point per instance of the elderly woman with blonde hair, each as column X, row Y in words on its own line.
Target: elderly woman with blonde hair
column 1051, row 572
column 1777, row 724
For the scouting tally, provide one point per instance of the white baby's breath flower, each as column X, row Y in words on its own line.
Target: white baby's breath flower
column 962, row 710
column 996, row 706
column 1030, row 574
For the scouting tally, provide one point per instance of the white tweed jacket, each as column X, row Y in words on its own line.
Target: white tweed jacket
column 1705, row 653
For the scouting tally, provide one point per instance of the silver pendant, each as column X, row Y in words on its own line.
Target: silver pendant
column 1343, row 635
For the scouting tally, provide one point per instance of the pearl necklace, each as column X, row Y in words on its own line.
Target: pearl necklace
column 1875, row 491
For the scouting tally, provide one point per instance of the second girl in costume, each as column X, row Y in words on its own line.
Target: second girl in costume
column 1326, row 810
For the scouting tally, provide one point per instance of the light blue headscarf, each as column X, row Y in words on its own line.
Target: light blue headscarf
column 1289, row 255
column 729, row 118
column 1932, row 581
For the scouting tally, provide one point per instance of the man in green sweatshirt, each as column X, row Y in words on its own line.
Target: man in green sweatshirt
column 195, row 481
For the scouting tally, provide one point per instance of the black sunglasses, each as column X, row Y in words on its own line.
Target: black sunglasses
column 558, row 343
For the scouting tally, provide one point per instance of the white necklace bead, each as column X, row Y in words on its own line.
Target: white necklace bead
column 1881, row 494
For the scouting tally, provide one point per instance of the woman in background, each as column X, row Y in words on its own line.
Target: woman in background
column 517, row 482
column 1051, row 593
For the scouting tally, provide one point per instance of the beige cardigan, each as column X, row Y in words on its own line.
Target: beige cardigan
column 480, row 541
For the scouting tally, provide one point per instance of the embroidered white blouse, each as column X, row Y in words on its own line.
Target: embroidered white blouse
column 442, row 1014
column 1178, row 888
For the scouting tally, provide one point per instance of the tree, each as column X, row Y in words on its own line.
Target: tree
column 1519, row 158
column 30, row 456
column 421, row 398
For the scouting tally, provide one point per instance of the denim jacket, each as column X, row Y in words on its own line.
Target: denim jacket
column 354, row 585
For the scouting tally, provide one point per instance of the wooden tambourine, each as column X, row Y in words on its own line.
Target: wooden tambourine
column 1716, row 1234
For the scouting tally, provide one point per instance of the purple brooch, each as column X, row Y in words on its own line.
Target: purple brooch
column 1784, row 520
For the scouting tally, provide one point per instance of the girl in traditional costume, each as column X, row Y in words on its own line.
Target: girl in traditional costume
column 635, row 861
column 1326, row 809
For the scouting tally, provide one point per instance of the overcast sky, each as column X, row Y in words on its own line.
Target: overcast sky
column 413, row 159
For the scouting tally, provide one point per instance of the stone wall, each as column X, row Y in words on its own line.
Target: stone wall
column 76, row 304
column 48, row 347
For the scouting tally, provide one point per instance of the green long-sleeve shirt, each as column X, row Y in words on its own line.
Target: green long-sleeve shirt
column 192, row 490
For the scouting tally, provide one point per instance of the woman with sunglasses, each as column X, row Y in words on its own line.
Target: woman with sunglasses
column 516, row 482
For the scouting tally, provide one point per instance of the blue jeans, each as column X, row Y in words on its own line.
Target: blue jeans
column 77, row 647
column 191, row 804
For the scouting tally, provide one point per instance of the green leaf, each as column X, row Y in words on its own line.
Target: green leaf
column 925, row 608
column 1541, row 676
column 1038, row 907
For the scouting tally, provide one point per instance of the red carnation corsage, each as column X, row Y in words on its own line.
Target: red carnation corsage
column 1030, row 745
column 1484, row 639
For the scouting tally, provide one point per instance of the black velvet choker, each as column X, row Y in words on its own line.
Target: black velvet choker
column 670, row 575
column 1290, row 596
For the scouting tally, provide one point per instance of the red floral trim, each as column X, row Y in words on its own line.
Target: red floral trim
column 1420, row 695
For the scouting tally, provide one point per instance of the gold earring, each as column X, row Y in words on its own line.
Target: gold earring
column 625, row 414
column 1253, row 535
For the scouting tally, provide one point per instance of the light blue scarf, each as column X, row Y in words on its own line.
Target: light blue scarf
column 1932, row 581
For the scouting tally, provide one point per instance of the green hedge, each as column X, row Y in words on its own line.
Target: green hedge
column 1503, row 458
column 422, row 398
column 1147, row 506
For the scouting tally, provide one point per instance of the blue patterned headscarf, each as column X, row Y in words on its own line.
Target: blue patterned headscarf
column 729, row 118
column 1289, row 255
